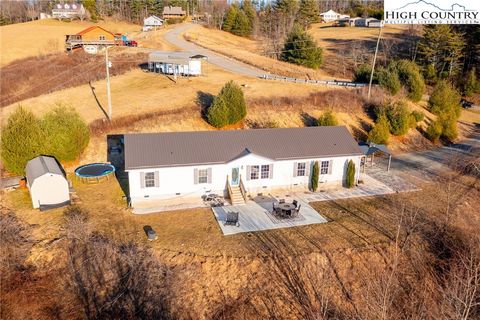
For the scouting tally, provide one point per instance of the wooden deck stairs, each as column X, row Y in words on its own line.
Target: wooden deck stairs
column 236, row 197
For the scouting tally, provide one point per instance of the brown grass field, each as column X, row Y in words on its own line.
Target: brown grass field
column 40, row 37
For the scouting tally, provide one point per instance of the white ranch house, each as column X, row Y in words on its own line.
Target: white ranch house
column 152, row 23
column 331, row 16
column 235, row 163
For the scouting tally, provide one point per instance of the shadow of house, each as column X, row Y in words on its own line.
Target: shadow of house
column 204, row 101
column 116, row 156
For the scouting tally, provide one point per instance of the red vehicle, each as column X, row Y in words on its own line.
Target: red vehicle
column 131, row 43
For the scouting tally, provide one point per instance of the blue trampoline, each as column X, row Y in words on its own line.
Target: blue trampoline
column 94, row 172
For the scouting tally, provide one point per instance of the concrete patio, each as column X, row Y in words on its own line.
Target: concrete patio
column 255, row 216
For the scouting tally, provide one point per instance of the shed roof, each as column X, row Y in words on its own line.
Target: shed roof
column 152, row 150
column 154, row 17
column 41, row 165
column 371, row 148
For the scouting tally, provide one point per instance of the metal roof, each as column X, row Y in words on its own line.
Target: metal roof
column 41, row 165
column 152, row 150
column 371, row 148
column 173, row 10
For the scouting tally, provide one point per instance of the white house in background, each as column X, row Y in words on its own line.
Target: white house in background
column 152, row 23
column 175, row 63
column 69, row 11
column 47, row 183
column 235, row 163
column 331, row 16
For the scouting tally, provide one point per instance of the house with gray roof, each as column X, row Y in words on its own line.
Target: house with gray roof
column 47, row 183
column 235, row 163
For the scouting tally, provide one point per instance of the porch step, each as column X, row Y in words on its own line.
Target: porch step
column 236, row 197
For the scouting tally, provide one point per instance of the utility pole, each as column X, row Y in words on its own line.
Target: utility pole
column 373, row 65
column 108, row 64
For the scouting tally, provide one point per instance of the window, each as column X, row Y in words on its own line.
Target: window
column 324, row 167
column 301, row 169
column 203, row 176
column 265, row 174
column 102, row 38
column 149, row 179
column 254, row 172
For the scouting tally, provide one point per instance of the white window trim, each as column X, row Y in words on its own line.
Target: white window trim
column 202, row 173
column 304, row 169
column 322, row 168
column 148, row 179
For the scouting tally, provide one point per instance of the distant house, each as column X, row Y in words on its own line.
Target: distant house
column 173, row 13
column 47, row 183
column 152, row 22
column 360, row 22
column 235, row 163
column 375, row 23
column 92, row 39
column 175, row 63
column 331, row 16
column 68, row 11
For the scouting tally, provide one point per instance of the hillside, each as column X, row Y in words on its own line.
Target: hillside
column 42, row 37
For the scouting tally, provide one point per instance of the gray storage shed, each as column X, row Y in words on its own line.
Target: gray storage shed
column 47, row 183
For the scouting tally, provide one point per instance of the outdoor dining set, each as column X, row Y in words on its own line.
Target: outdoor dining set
column 284, row 209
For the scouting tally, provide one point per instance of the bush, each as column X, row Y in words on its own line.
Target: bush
column 350, row 179
column 434, row 131
column 388, row 79
column 362, row 73
column 61, row 133
column 445, row 99
column 22, row 140
column 315, row 175
column 398, row 118
column 380, row 132
column 411, row 78
column 67, row 134
column 449, row 129
column 228, row 107
column 418, row 116
column 301, row 48
column 327, row 119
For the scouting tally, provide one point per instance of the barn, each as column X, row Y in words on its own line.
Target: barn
column 175, row 63
column 47, row 183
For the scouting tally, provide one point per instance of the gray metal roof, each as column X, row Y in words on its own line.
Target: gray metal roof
column 152, row 150
column 371, row 148
column 41, row 165
column 173, row 10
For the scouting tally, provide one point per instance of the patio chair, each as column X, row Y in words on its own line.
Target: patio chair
column 298, row 209
column 295, row 203
column 232, row 219
column 281, row 201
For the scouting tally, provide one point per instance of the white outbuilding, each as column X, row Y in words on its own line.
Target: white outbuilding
column 176, row 63
column 47, row 183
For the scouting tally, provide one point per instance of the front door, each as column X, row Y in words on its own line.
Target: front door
column 235, row 176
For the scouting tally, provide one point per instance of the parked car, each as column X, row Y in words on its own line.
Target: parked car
column 466, row 104
column 131, row 43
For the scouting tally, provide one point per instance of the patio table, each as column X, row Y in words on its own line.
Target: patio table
column 286, row 208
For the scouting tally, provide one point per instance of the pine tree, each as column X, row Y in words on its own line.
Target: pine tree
column 251, row 14
column 471, row 83
column 300, row 48
column 315, row 176
column 228, row 107
column 308, row 13
column 442, row 47
column 230, row 17
column 241, row 26
column 411, row 78
column 380, row 132
column 350, row 178
column 327, row 119
column 22, row 140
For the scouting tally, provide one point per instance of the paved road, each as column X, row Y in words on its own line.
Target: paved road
column 235, row 66
column 427, row 164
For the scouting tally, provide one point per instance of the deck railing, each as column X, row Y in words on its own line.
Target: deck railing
column 229, row 189
column 242, row 189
